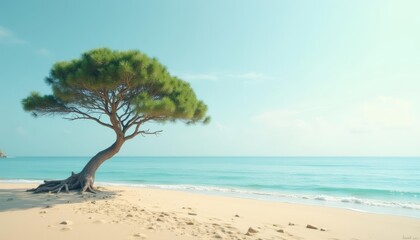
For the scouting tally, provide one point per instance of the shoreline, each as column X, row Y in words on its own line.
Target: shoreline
column 335, row 202
column 143, row 213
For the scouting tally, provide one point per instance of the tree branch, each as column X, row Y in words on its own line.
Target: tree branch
column 87, row 116
column 127, row 113
column 137, row 132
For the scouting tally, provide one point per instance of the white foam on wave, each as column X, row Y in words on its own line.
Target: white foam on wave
column 280, row 196
column 20, row 181
column 369, row 202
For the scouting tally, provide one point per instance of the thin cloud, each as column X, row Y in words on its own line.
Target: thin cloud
column 383, row 114
column 279, row 119
column 68, row 132
column 245, row 77
column 4, row 33
column 43, row 52
column 7, row 36
column 251, row 76
column 21, row 130
column 197, row 77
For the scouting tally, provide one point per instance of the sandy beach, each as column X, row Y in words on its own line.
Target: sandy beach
column 141, row 213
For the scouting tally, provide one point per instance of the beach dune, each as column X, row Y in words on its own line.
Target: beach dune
column 143, row 213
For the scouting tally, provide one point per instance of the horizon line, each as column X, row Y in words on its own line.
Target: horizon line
column 233, row 156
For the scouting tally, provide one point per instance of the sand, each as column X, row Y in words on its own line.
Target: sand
column 120, row 213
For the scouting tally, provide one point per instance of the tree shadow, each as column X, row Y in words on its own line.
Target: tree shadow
column 19, row 199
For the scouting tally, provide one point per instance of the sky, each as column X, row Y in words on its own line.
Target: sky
column 280, row 78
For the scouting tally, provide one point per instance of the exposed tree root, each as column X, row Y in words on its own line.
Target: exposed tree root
column 76, row 182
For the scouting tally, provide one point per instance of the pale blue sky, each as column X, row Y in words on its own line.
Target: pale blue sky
column 281, row 78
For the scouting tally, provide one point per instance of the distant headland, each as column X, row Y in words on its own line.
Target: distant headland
column 2, row 154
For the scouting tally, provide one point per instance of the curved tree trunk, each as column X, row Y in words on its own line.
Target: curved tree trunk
column 84, row 180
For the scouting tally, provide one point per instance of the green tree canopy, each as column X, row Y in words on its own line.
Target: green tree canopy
column 127, row 86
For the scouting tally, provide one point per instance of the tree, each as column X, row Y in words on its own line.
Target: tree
column 120, row 90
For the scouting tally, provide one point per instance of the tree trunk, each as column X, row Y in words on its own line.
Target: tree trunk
column 84, row 180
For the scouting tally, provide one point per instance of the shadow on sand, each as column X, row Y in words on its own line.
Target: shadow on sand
column 19, row 199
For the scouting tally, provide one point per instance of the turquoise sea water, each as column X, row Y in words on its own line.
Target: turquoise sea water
column 379, row 185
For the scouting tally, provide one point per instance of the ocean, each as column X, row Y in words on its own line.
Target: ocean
column 384, row 185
